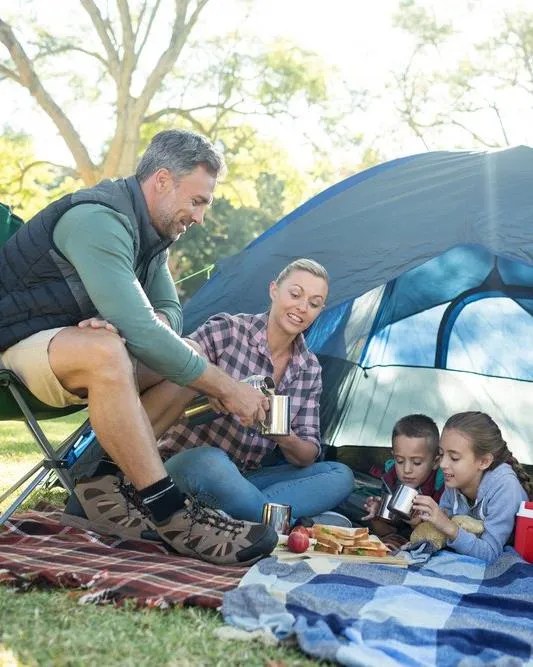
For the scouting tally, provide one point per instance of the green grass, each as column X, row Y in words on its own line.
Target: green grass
column 50, row 628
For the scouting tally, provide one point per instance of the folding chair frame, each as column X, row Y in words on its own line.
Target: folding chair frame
column 54, row 460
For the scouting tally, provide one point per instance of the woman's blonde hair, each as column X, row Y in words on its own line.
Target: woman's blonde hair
column 486, row 438
column 303, row 264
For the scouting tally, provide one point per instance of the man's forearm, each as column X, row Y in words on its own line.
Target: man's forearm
column 214, row 382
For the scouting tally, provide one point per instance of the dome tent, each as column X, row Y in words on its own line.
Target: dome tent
column 431, row 295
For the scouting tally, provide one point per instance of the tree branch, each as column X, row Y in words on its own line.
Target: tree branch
column 9, row 73
column 496, row 110
column 37, row 163
column 69, row 47
column 148, row 27
column 29, row 79
column 100, row 26
column 125, row 22
column 180, row 32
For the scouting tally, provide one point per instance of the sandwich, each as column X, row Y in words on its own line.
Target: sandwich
column 372, row 546
column 340, row 535
column 351, row 541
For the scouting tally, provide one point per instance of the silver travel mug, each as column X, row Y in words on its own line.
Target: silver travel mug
column 277, row 516
column 383, row 511
column 278, row 419
column 402, row 501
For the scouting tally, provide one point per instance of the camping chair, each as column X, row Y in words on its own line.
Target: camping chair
column 18, row 403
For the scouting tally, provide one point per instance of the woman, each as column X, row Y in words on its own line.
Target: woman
column 231, row 467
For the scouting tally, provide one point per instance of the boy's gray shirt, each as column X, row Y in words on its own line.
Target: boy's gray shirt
column 497, row 502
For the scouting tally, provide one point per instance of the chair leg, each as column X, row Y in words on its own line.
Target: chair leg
column 38, row 434
column 45, row 471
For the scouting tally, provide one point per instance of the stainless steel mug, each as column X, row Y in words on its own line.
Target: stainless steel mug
column 402, row 501
column 278, row 419
column 383, row 511
column 277, row 516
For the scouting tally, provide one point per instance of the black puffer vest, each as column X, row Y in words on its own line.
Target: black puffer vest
column 40, row 289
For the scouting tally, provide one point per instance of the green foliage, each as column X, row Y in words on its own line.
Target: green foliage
column 421, row 23
column 27, row 184
column 226, row 231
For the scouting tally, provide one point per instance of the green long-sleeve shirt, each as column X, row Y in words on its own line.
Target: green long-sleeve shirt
column 97, row 244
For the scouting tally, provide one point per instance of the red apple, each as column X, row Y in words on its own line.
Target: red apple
column 298, row 542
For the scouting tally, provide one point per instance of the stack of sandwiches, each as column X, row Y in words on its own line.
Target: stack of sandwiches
column 348, row 541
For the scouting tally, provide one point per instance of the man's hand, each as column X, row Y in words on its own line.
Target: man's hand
column 97, row 323
column 249, row 405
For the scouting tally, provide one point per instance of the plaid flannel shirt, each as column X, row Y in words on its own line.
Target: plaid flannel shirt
column 238, row 345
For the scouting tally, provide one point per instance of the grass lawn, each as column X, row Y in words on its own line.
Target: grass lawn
column 49, row 628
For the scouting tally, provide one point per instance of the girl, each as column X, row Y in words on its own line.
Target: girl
column 483, row 480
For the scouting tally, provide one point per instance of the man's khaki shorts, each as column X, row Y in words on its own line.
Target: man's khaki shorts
column 29, row 360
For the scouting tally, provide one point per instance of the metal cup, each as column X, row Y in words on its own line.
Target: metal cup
column 402, row 501
column 277, row 516
column 278, row 419
column 383, row 511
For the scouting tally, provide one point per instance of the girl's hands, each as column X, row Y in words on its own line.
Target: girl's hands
column 371, row 506
column 428, row 510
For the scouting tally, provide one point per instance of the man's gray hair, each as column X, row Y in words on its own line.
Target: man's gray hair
column 180, row 152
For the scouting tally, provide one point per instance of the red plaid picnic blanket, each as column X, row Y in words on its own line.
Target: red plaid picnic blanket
column 37, row 551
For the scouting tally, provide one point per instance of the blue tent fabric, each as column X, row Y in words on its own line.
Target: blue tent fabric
column 431, row 269
column 464, row 208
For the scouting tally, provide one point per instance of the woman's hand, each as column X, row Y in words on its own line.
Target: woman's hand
column 371, row 506
column 428, row 510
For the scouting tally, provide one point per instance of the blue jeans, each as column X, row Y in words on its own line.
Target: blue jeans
column 210, row 474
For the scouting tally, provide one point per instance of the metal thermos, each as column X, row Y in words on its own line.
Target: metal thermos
column 277, row 516
column 201, row 404
column 402, row 501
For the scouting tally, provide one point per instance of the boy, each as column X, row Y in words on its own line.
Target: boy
column 415, row 463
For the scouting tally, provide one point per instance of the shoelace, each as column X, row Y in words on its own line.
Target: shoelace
column 131, row 496
column 201, row 513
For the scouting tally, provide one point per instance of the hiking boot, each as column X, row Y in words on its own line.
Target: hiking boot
column 213, row 536
column 109, row 506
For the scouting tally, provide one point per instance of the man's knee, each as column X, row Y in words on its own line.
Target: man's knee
column 89, row 354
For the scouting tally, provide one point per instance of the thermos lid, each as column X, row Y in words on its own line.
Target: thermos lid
column 526, row 509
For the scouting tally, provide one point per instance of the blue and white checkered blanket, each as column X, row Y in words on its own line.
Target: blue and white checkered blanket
column 452, row 610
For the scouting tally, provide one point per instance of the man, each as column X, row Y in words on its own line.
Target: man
column 89, row 314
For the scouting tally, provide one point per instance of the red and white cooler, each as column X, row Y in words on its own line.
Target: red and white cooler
column 523, row 537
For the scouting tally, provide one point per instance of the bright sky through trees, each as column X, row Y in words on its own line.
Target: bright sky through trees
column 355, row 36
